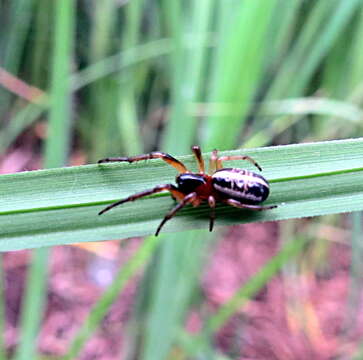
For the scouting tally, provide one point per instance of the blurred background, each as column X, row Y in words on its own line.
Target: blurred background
column 82, row 80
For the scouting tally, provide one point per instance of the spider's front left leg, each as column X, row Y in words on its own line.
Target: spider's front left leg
column 179, row 166
column 169, row 187
column 239, row 205
column 187, row 200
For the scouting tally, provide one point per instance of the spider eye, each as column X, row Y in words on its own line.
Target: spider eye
column 187, row 183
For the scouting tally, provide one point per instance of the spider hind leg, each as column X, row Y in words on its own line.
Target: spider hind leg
column 239, row 205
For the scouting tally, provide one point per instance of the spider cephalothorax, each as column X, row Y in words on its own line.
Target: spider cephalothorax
column 233, row 186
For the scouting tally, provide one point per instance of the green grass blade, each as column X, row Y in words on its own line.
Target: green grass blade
column 56, row 152
column 102, row 133
column 127, row 109
column 182, row 250
column 356, row 56
column 33, row 305
column 187, row 65
column 21, row 120
column 97, row 71
column 166, row 312
column 94, row 72
column 356, row 270
column 20, row 18
column 58, row 206
column 13, row 40
column 290, row 111
column 238, row 68
column 326, row 21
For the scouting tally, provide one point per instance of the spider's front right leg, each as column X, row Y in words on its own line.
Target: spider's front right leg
column 179, row 166
column 198, row 156
column 169, row 187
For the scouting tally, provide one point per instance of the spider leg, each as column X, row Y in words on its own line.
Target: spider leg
column 179, row 166
column 187, row 199
column 212, row 216
column 239, row 205
column 213, row 162
column 236, row 157
column 199, row 158
column 169, row 187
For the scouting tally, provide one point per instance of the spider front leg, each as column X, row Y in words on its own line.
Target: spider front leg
column 199, row 158
column 239, row 205
column 187, row 200
column 169, row 187
column 179, row 166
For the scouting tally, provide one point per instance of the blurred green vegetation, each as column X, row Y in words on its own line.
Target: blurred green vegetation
column 133, row 76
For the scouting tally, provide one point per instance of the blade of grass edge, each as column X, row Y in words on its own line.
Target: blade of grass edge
column 58, row 206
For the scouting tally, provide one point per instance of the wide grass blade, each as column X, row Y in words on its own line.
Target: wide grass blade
column 58, row 206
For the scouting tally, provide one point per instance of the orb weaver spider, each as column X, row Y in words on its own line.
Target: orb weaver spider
column 233, row 186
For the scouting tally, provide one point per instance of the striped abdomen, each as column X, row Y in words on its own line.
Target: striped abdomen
column 241, row 185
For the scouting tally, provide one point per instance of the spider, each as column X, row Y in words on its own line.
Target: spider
column 233, row 186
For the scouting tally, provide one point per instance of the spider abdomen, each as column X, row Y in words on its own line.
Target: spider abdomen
column 241, row 185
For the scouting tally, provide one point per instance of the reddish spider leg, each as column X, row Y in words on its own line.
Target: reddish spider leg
column 216, row 163
column 180, row 167
column 239, row 205
column 236, row 157
column 211, row 200
column 199, row 158
column 169, row 187
column 186, row 200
